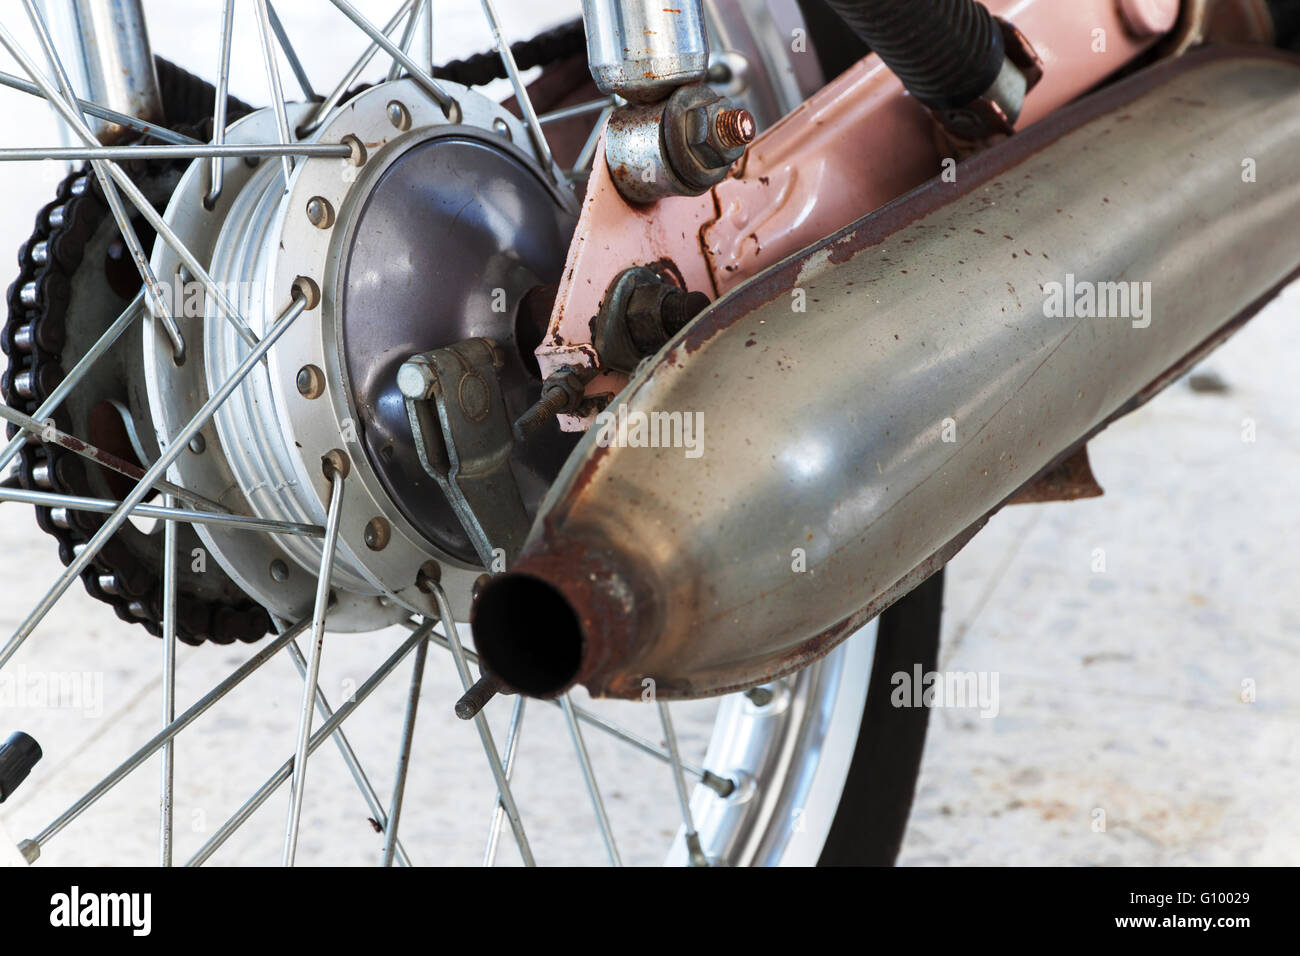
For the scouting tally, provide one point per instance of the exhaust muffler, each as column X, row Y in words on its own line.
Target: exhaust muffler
column 859, row 410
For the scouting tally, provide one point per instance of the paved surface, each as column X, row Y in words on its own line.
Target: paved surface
column 1120, row 690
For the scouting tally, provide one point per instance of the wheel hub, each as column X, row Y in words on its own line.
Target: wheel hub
column 435, row 230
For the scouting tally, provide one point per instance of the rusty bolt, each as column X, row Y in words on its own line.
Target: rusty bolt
column 563, row 391
column 704, row 134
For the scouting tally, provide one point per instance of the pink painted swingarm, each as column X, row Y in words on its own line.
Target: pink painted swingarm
column 857, row 144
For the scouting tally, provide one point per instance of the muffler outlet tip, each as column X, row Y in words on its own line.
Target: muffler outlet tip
column 528, row 634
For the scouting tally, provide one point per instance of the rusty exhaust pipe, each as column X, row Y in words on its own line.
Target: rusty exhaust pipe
column 956, row 343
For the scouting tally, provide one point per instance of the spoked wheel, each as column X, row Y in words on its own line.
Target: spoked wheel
column 204, row 345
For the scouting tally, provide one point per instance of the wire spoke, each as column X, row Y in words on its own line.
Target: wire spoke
column 589, row 775
column 216, row 171
column 129, row 188
column 582, row 166
column 104, row 113
column 158, row 306
column 499, row 809
column 180, row 442
column 350, row 77
column 51, row 435
column 578, row 109
column 327, row 729
column 286, row 150
column 168, row 686
column 521, row 91
column 719, row 784
column 423, row 79
column 428, row 33
column 505, row 794
column 404, row 753
column 311, row 682
column 290, row 54
column 78, row 371
column 408, row 37
column 49, row 499
column 349, row 755
column 197, row 710
column 273, row 82
column 693, row 847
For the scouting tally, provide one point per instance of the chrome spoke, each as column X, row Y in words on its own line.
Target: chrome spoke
column 428, row 33
column 693, row 847
column 273, row 82
column 578, row 109
column 404, row 753
column 49, row 499
column 153, row 290
column 589, row 775
column 349, row 755
column 78, row 371
column 173, row 151
column 159, row 739
column 168, row 685
column 311, row 681
column 216, row 171
column 525, row 102
column 129, row 189
column 290, row 54
column 499, row 810
column 101, row 112
column 423, row 79
column 504, row 792
column 180, row 442
column 408, row 37
column 722, row 786
column 52, row 436
column 582, row 166
column 350, row 77
column 327, row 729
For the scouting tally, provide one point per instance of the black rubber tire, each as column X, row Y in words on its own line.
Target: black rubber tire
column 877, row 799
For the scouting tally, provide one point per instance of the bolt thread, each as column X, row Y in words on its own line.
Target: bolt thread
column 736, row 128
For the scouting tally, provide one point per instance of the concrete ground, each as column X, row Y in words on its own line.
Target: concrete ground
column 1122, row 735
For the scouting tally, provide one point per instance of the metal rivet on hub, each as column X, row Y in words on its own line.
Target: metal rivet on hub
column 501, row 127
column 198, row 444
column 399, row 115
column 480, row 583
column 310, row 382
column 279, row 571
column 320, row 213
column 377, row 533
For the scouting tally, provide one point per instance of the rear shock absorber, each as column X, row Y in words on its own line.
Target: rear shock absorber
column 953, row 56
column 675, row 136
